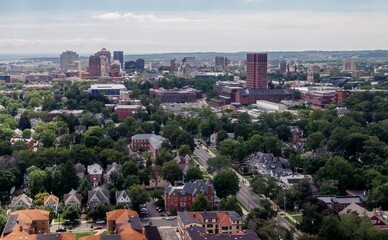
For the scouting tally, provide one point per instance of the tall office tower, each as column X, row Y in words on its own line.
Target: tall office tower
column 140, row 64
column 104, row 66
column 257, row 71
column 220, row 61
column 68, row 58
column 119, row 55
column 310, row 76
column 283, row 66
column 105, row 53
column 316, row 69
column 94, row 66
column 348, row 65
column 173, row 64
column 77, row 67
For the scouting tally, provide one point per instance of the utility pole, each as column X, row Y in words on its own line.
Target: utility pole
column 285, row 211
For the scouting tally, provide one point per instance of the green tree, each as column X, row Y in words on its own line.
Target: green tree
column 138, row 195
column 230, row 203
column 129, row 168
column 228, row 147
column 7, row 180
column 184, row 150
column 98, row 211
column 71, row 213
column 193, row 174
column 200, row 204
column 218, row 163
column 39, row 198
column 337, row 169
column 37, row 181
column 226, row 183
column 171, row 172
column 314, row 141
column 5, row 148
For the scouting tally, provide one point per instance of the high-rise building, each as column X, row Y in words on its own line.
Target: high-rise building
column 140, row 64
column 119, row 55
column 94, row 66
column 220, row 61
column 283, row 66
column 257, row 71
column 173, row 64
column 105, row 53
column 348, row 65
column 104, row 66
column 68, row 58
column 316, row 69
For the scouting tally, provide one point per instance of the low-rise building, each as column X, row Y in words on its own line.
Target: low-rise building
column 183, row 162
column 338, row 203
column 111, row 168
column 110, row 90
column 377, row 216
column 122, row 197
column 291, row 180
column 98, row 195
column 124, row 111
column 181, row 197
column 31, row 221
column 207, row 225
column 80, row 170
column 186, row 94
column 147, row 142
column 95, row 174
column 72, row 198
column 52, row 202
column 21, row 201
column 126, row 223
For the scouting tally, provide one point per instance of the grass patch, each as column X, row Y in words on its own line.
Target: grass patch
column 104, row 233
column 289, row 221
column 84, row 234
column 298, row 218
column 213, row 150
column 242, row 206
column 197, row 161
column 59, row 218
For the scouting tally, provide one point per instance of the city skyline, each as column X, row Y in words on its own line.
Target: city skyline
column 157, row 26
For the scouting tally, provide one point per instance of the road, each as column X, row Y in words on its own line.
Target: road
column 245, row 196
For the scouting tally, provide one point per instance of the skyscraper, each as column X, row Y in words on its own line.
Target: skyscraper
column 119, row 55
column 220, row 61
column 257, row 71
column 94, row 66
column 68, row 58
column 105, row 53
column 348, row 65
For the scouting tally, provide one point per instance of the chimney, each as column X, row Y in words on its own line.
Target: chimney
column 175, row 183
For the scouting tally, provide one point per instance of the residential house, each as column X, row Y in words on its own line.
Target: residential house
column 126, row 223
column 377, row 216
column 95, row 174
column 152, row 232
column 123, row 198
column 180, row 198
column 31, row 221
column 72, row 198
column 288, row 181
column 199, row 233
column 342, row 111
column 214, row 136
column 98, row 195
column 211, row 224
column 147, row 142
column 80, row 170
column 80, row 129
column 268, row 165
column 31, row 143
column 21, row 201
column 338, row 203
column 25, row 236
column 52, row 202
column 114, row 167
column 183, row 162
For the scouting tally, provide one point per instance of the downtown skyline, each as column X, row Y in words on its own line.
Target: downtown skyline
column 157, row 26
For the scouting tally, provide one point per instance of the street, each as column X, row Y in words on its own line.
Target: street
column 247, row 198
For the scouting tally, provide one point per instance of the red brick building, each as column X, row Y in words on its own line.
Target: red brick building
column 124, row 111
column 95, row 175
column 147, row 142
column 257, row 71
column 180, row 198
column 248, row 97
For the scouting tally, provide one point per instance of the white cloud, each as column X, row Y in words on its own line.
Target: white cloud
column 116, row 16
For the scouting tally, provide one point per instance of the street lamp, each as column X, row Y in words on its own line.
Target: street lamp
column 59, row 216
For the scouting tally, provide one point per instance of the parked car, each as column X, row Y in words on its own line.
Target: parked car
column 100, row 221
column 61, row 230
column 143, row 205
column 170, row 218
column 145, row 219
column 98, row 228
column 159, row 209
column 143, row 210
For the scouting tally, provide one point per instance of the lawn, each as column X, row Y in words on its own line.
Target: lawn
column 83, row 234
column 289, row 221
column 298, row 218
column 59, row 218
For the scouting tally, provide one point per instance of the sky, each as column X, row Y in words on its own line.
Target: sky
column 162, row 26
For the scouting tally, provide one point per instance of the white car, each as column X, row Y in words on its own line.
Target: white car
column 170, row 218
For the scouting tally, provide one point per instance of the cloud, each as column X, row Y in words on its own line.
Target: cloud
column 116, row 16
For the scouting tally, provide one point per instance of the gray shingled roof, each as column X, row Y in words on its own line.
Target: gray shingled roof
column 190, row 188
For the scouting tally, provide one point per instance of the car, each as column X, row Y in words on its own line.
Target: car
column 143, row 205
column 160, row 209
column 170, row 218
column 145, row 219
column 100, row 221
column 143, row 210
column 61, row 230
column 98, row 228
